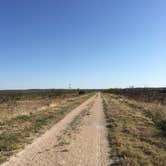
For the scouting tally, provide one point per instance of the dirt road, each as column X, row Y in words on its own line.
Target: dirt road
column 80, row 139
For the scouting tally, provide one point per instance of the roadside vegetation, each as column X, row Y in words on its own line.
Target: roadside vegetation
column 25, row 118
column 152, row 101
column 136, row 131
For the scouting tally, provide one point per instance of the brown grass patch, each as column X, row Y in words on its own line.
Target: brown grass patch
column 134, row 137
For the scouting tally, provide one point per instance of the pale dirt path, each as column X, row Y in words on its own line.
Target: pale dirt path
column 90, row 146
column 87, row 147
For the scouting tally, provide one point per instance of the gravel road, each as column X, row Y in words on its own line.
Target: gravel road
column 80, row 139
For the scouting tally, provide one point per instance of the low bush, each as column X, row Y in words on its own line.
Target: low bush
column 162, row 126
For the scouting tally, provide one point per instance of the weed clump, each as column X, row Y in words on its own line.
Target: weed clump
column 162, row 126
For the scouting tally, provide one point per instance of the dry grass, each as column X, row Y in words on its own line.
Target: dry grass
column 133, row 135
column 156, row 112
column 11, row 109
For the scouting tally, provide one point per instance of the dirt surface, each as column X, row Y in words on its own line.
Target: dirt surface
column 80, row 139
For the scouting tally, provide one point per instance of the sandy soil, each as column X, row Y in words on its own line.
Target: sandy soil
column 82, row 144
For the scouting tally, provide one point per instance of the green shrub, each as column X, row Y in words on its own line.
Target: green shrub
column 162, row 126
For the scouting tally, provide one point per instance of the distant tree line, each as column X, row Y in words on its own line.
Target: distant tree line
column 14, row 95
column 143, row 94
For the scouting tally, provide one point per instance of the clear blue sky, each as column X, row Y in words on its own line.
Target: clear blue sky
column 89, row 43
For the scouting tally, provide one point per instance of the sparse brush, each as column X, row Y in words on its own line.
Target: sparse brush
column 134, row 137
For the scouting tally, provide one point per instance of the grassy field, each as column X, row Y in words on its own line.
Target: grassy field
column 26, row 114
column 136, row 131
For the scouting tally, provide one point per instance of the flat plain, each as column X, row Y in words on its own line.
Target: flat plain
column 86, row 128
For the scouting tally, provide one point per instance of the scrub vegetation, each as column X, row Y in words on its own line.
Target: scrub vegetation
column 136, row 131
